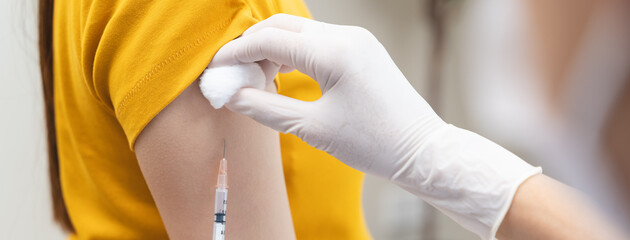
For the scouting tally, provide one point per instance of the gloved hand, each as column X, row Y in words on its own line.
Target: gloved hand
column 372, row 119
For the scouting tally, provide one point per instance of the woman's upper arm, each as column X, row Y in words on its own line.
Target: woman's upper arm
column 179, row 152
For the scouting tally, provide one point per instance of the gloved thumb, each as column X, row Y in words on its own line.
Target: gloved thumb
column 281, row 113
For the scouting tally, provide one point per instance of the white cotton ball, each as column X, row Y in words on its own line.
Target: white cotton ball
column 219, row 84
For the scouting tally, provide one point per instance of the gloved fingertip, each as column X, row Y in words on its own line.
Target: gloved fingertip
column 278, row 112
column 225, row 55
column 238, row 102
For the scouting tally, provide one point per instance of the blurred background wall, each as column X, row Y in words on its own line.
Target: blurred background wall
column 25, row 211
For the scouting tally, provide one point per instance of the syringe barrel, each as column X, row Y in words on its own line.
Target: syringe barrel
column 220, row 207
column 219, row 231
column 220, row 201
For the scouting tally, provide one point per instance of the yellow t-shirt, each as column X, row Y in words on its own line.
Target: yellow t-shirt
column 119, row 63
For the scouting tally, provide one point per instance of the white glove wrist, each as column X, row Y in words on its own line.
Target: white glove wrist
column 466, row 176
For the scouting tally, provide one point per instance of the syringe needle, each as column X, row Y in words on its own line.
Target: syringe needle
column 224, row 148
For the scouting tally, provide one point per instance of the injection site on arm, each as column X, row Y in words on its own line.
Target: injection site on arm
column 179, row 153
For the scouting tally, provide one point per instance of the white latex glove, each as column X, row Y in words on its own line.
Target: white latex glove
column 372, row 119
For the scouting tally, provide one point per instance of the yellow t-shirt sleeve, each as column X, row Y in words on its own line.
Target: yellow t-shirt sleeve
column 140, row 55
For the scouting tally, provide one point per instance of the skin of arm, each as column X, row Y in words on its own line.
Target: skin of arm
column 544, row 208
column 179, row 152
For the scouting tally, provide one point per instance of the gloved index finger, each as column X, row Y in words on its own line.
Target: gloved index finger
column 282, row 21
column 277, row 45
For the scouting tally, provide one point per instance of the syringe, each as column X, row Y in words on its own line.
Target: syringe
column 220, row 200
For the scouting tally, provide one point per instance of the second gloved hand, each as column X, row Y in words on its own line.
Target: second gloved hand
column 373, row 120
